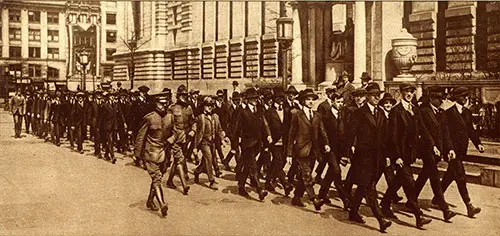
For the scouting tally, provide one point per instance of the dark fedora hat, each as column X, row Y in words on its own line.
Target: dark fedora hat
column 161, row 97
column 194, row 91
column 219, row 93
column 387, row 98
column 143, row 89
column 460, row 92
column 278, row 92
column 182, row 89
column 292, row 90
column 358, row 92
column 331, row 89
column 373, row 88
column 307, row 93
column 251, row 93
column 208, row 101
column 236, row 95
column 167, row 90
column 365, row 76
column 407, row 86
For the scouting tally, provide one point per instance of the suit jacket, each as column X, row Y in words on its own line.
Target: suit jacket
column 277, row 127
column 251, row 127
column 368, row 135
column 56, row 110
column 335, row 128
column 109, row 116
column 434, row 123
column 345, row 92
column 223, row 114
column 29, row 105
column 405, row 131
column 18, row 105
column 461, row 130
column 77, row 114
column 207, row 129
column 305, row 136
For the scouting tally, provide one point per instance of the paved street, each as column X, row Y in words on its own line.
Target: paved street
column 49, row 190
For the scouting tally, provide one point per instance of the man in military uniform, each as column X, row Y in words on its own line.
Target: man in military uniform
column 17, row 110
column 153, row 140
column 208, row 130
column 184, row 129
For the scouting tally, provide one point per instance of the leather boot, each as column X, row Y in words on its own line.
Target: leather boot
column 182, row 176
column 447, row 215
column 422, row 220
column 383, row 224
column 159, row 197
column 150, row 203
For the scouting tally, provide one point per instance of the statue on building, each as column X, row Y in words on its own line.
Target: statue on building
column 342, row 46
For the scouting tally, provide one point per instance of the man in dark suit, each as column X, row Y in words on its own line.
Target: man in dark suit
column 458, row 120
column 367, row 146
column 233, row 109
column 17, row 109
column 221, row 109
column 433, row 120
column 109, row 125
column 277, row 119
column 324, row 108
column 140, row 108
column 345, row 87
column 77, row 121
column 305, row 139
column 28, row 114
column 57, row 116
column 405, row 128
column 252, row 128
column 333, row 116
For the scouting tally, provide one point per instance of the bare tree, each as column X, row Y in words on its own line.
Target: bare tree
column 132, row 45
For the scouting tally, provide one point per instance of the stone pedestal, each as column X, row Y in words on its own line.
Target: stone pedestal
column 332, row 71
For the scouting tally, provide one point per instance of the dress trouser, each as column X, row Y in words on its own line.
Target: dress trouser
column 27, row 122
column 333, row 174
column 208, row 151
column 430, row 171
column 404, row 178
column 305, row 181
column 248, row 167
column 456, row 172
column 18, row 119
column 276, row 167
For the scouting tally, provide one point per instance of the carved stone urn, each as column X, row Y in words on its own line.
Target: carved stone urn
column 404, row 54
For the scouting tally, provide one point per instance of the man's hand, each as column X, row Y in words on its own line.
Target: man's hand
column 353, row 149
column 480, row 148
column 233, row 151
column 73, row 127
column 399, row 162
column 387, row 162
column 452, row 155
column 327, row 148
column 269, row 139
column 191, row 133
column 436, row 151
column 289, row 160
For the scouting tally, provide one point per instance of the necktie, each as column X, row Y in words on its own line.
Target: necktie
column 410, row 109
column 310, row 114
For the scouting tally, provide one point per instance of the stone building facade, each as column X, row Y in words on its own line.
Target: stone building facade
column 40, row 42
column 209, row 44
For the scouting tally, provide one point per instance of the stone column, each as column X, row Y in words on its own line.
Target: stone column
column 24, row 34
column 297, row 51
column 43, row 35
column 423, row 26
column 359, row 41
column 460, row 32
column 329, row 72
column 5, row 33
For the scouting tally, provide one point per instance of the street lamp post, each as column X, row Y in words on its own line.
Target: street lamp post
column 284, row 28
column 84, row 61
column 132, row 43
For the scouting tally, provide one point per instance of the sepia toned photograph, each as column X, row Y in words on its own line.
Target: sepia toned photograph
column 155, row 117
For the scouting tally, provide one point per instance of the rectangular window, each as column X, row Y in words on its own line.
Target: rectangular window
column 15, row 15
column 52, row 72
column 53, row 53
column 109, row 53
column 14, row 51
column 34, row 35
column 111, row 36
column 15, row 34
column 111, row 19
column 53, row 17
column 53, row 35
column 35, row 70
column 33, row 16
column 34, row 52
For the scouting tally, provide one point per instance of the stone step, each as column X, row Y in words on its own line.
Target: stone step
column 477, row 173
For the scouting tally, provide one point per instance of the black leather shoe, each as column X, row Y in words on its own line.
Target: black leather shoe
column 447, row 215
column 186, row 190
column 297, row 202
column 171, row 185
column 384, row 224
column 164, row 210
column 355, row 217
column 213, row 185
column 262, row 195
column 318, row 203
column 472, row 211
column 243, row 192
column 347, row 204
column 422, row 220
column 388, row 213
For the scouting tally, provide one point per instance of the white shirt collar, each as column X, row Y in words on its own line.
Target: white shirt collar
column 371, row 107
column 251, row 107
column 406, row 105
column 434, row 109
column 335, row 112
column 460, row 108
